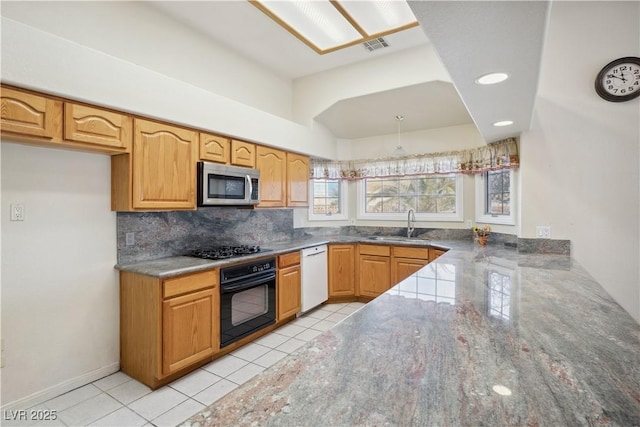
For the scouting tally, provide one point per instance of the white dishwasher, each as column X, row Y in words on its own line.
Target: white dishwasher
column 315, row 289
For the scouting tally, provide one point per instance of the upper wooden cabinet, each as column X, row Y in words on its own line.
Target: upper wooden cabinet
column 243, row 153
column 97, row 127
column 160, row 173
column 214, row 148
column 31, row 115
column 297, row 180
column 272, row 165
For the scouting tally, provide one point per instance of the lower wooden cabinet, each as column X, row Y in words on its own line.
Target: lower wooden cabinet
column 167, row 326
column 374, row 269
column 342, row 270
column 407, row 260
column 380, row 267
column 435, row 253
column 288, row 288
column 187, row 329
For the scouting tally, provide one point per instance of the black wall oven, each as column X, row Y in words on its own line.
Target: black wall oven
column 247, row 299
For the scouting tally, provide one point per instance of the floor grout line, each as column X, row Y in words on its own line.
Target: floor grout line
column 334, row 309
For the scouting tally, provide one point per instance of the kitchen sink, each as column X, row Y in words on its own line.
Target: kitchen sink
column 393, row 238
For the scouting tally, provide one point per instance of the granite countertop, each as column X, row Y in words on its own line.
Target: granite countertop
column 177, row 265
column 480, row 336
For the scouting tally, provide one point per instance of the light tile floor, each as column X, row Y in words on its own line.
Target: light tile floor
column 119, row 401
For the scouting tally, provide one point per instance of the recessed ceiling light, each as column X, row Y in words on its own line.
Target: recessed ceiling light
column 503, row 123
column 501, row 390
column 492, row 78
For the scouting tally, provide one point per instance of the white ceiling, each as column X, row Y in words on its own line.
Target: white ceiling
column 471, row 38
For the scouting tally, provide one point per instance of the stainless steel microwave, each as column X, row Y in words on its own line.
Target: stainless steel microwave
column 227, row 185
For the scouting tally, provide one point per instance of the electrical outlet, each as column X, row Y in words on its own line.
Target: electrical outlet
column 17, row 212
column 543, row 232
column 130, row 239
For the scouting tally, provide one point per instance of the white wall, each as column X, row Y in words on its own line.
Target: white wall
column 60, row 317
column 138, row 33
column 426, row 141
column 315, row 93
column 580, row 160
column 39, row 60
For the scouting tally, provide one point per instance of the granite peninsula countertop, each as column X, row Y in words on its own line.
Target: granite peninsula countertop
column 480, row 336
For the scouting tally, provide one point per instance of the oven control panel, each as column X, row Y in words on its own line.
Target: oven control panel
column 232, row 274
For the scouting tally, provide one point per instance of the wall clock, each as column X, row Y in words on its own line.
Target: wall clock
column 619, row 80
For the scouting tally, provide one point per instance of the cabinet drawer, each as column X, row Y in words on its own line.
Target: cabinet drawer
column 191, row 283
column 411, row 252
column 375, row 250
column 286, row 260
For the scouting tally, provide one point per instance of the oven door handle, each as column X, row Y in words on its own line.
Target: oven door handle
column 225, row 289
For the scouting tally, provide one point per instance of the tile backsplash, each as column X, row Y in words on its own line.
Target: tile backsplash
column 162, row 234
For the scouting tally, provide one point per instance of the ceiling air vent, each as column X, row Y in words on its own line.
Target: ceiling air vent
column 375, row 44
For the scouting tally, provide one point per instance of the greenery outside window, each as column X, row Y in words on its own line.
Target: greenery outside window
column 432, row 197
column 495, row 197
column 328, row 200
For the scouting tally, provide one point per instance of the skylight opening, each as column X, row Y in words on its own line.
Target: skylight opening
column 329, row 25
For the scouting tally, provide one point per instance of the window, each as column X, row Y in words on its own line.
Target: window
column 437, row 283
column 328, row 200
column 499, row 294
column 432, row 197
column 498, row 195
column 495, row 201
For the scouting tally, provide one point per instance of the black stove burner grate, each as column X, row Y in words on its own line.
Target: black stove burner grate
column 223, row 252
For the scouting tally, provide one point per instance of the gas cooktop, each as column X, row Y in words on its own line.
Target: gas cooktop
column 223, row 252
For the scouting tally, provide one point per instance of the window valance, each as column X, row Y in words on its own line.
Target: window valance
column 497, row 155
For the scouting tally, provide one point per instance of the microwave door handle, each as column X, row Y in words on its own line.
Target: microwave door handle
column 250, row 186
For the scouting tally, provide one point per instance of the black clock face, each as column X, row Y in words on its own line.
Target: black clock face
column 619, row 80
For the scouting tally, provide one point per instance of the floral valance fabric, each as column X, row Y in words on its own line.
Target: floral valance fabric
column 497, row 155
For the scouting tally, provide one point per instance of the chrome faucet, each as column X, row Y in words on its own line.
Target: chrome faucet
column 411, row 219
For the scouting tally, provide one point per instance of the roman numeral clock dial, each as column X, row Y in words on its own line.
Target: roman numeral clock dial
column 619, row 80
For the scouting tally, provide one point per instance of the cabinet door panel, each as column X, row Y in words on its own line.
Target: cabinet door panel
column 405, row 267
column 30, row 114
column 297, row 180
column 374, row 275
column 188, row 330
column 96, row 126
column 272, row 164
column 342, row 274
column 243, row 153
column 288, row 291
column 164, row 168
column 214, row 148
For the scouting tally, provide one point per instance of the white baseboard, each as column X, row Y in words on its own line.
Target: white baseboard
column 61, row 388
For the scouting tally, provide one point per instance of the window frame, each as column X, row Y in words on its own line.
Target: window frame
column 420, row 216
column 481, row 201
column 343, row 200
